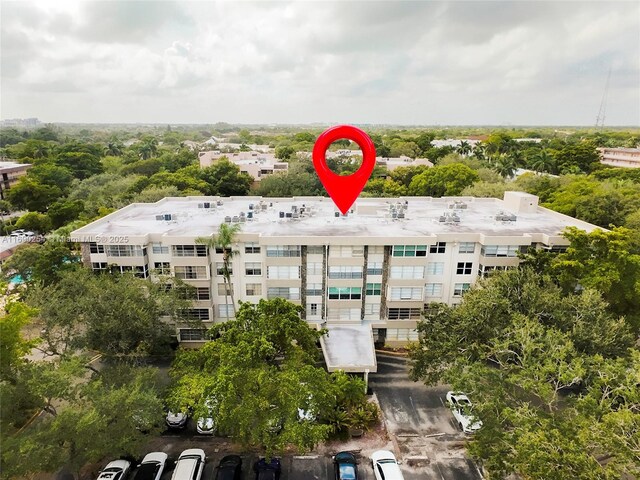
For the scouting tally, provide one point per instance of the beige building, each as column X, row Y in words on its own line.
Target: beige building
column 10, row 173
column 256, row 164
column 620, row 157
column 375, row 268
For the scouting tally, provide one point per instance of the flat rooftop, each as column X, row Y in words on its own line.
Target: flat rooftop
column 10, row 164
column 349, row 348
column 371, row 217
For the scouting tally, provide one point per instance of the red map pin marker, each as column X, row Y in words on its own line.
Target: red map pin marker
column 344, row 190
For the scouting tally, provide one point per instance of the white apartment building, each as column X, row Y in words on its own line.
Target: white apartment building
column 256, row 164
column 620, row 157
column 373, row 269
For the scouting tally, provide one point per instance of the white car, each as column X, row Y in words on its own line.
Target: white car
column 385, row 466
column 190, row 465
column 206, row 425
column 177, row 419
column 116, row 470
column 462, row 410
column 152, row 466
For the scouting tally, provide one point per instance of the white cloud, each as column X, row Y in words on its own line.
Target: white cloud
column 381, row 62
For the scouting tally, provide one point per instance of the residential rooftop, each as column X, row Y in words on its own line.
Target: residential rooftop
column 518, row 215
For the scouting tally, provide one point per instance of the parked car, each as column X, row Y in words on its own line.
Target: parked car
column 385, row 466
column 22, row 233
column 190, row 465
column 206, row 425
column 116, row 470
column 462, row 410
column 345, row 466
column 267, row 470
column 230, row 468
column 152, row 466
column 177, row 419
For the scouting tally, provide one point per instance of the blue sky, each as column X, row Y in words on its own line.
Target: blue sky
column 428, row 63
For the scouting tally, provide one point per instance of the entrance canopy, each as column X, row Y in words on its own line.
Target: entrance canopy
column 349, row 348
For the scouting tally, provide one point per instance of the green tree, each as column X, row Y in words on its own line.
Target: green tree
column 443, row 180
column 544, row 162
column 29, row 194
column 65, row 211
column 81, row 164
column 41, row 263
column 13, row 346
column 52, row 175
column 260, row 369
column 118, row 315
column 224, row 178
column 285, row 152
column 38, row 222
column 505, row 166
column 224, row 240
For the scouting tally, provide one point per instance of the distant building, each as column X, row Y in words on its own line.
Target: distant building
column 620, row 157
column 258, row 165
column 394, row 162
column 21, row 122
column 11, row 172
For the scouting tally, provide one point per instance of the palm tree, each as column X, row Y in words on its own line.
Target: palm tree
column 505, row 166
column 479, row 151
column 543, row 162
column 464, row 148
column 224, row 240
column 114, row 148
column 516, row 157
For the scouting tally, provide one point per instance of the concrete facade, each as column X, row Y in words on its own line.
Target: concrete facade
column 379, row 265
column 10, row 173
column 620, row 157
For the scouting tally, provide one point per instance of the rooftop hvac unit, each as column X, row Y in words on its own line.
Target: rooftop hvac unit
column 336, row 214
column 264, row 207
column 294, row 208
column 243, row 219
column 241, row 214
column 288, row 214
column 394, row 214
column 251, row 206
column 295, row 215
column 227, row 219
column 281, row 214
column 201, row 205
column 207, row 204
column 250, row 215
column 167, row 216
column 401, row 215
column 159, row 217
column 235, row 219
column 219, row 203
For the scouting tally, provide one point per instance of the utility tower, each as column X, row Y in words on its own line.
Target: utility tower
column 603, row 104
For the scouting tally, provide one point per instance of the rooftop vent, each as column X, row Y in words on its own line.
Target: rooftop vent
column 449, row 218
column 458, row 205
column 505, row 217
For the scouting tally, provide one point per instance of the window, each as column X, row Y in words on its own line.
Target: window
column 225, row 311
column 406, row 293
column 439, row 247
column 141, row 271
column 344, row 313
column 203, row 293
column 290, row 293
column 220, row 269
column 345, row 293
column 374, row 268
column 286, row 272
column 409, row 251
column 254, row 289
column 253, row 269
column 403, row 314
column 125, row 251
column 500, row 250
column 374, row 288
column 314, row 289
column 464, row 268
column 162, row 268
column 157, row 248
column 283, row 250
column 467, row 247
column 372, row 309
column 97, row 266
column 315, row 250
column 120, row 269
column 189, row 272
column 402, row 334
column 201, row 314
column 251, row 248
column 347, row 251
column 189, row 250
column 312, row 308
column 435, row 268
column 460, row 288
column 314, row 268
column 222, row 288
column 345, row 271
column 407, row 271
column 95, row 248
column 485, row 270
column 433, row 289
column 192, row 334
